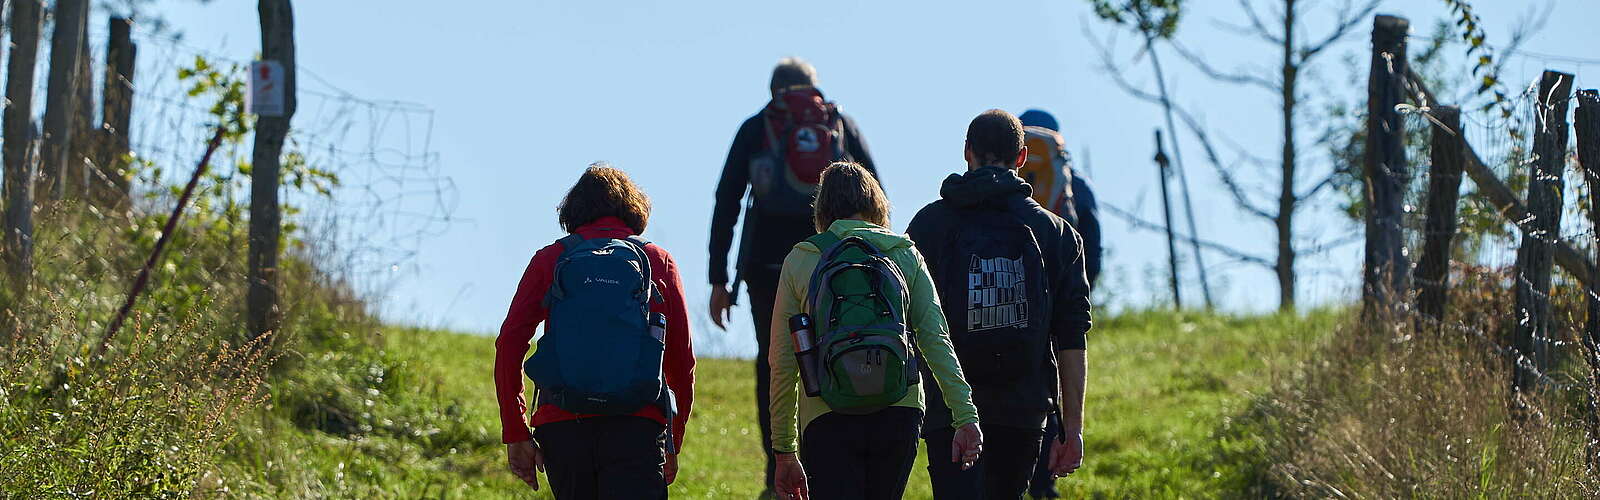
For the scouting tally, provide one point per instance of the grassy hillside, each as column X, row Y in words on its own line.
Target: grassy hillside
column 1161, row 384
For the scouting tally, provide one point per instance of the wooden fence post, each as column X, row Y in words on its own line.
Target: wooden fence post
column 117, row 108
column 59, row 94
column 1384, row 273
column 1163, row 171
column 1444, row 191
column 26, row 20
column 1506, row 202
column 1534, row 258
column 84, row 141
column 277, row 44
column 1587, row 122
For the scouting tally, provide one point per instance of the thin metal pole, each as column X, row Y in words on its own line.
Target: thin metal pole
column 1183, row 176
column 1162, row 172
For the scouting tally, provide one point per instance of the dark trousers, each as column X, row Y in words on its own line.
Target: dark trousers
column 763, row 292
column 1044, row 480
column 861, row 457
column 604, row 458
column 1001, row 473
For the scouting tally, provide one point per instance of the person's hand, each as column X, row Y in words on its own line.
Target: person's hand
column 721, row 306
column 1066, row 454
column 526, row 461
column 670, row 470
column 790, row 479
column 967, row 446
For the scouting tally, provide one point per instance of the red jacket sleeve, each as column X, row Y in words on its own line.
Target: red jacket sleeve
column 678, row 360
column 511, row 347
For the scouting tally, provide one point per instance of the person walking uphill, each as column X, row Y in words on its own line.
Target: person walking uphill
column 1012, row 274
column 614, row 371
column 1072, row 198
column 855, row 306
column 778, row 154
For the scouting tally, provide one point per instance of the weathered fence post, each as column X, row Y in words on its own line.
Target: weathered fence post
column 84, row 141
column 1505, row 202
column 26, row 18
column 277, row 44
column 117, row 107
column 1444, row 191
column 60, row 94
column 1163, row 171
column 1587, row 122
column 1532, row 339
column 1384, row 273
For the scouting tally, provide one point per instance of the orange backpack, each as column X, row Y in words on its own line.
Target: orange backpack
column 1048, row 170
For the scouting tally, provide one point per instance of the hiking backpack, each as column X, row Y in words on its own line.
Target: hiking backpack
column 858, row 300
column 991, row 280
column 802, row 139
column 599, row 353
column 1049, row 170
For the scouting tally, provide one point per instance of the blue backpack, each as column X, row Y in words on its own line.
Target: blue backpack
column 600, row 353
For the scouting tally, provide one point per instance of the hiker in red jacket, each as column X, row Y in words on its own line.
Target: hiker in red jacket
column 612, row 455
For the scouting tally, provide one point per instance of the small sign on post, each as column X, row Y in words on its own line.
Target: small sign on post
column 266, row 88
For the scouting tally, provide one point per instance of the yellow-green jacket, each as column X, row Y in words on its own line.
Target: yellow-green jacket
column 923, row 316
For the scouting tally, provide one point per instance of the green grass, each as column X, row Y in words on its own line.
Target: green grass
column 1160, row 387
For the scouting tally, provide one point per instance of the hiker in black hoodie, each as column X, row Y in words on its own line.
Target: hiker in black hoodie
column 779, row 155
column 1011, row 279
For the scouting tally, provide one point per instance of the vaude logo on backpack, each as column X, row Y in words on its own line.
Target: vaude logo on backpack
column 991, row 283
column 858, row 298
column 804, row 136
column 598, row 354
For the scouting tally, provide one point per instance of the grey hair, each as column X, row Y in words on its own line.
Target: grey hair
column 792, row 71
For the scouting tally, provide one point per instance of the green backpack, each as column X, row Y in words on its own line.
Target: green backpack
column 858, row 302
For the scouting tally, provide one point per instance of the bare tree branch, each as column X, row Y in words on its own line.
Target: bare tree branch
column 1256, row 24
column 1108, row 65
column 1330, row 245
column 1531, row 22
column 1348, row 20
column 1240, row 77
column 1224, row 172
column 1326, row 181
column 1137, row 222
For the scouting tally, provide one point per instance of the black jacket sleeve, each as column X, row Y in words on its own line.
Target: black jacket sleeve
column 730, row 195
column 1088, row 225
column 1070, row 321
column 857, row 147
column 924, row 233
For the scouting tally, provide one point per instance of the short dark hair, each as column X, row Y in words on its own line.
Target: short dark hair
column 792, row 71
column 995, row 138
column 604, row 191
column 846, row 190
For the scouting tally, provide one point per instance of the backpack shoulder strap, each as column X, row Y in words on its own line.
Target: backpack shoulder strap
column 648, row 288
column 824, row 240
column 773, row 143
column 568, row 243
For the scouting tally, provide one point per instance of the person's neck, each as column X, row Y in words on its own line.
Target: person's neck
column 975, row 166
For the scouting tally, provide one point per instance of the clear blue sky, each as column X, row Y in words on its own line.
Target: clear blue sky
column 528, row 93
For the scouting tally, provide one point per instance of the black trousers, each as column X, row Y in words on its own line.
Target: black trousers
column 763, row 291
column 1044, row 480
column 604, row 458
column 1002, row 473
column 861, row 457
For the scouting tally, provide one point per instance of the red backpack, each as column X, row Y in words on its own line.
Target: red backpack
column 803, row 138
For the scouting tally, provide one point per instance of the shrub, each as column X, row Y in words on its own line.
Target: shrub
column 1390, row 409
column 145, row 421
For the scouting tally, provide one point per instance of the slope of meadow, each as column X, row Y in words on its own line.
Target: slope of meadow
column 1161, row 383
